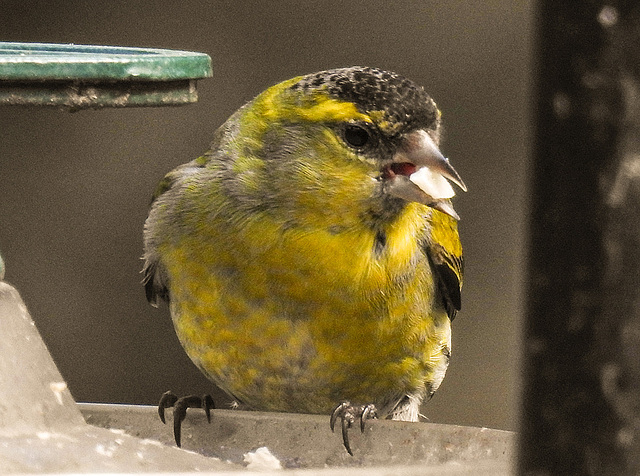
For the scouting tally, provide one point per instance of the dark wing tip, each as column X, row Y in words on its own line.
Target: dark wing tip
column 448, row 271
column 154, row 286
column 449, row 283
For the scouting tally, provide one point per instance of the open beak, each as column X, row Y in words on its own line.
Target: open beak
column 420, row 173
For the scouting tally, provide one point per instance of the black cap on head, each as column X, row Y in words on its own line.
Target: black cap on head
column 401, row 100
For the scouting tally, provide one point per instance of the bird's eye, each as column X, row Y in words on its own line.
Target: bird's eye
column 356, row 136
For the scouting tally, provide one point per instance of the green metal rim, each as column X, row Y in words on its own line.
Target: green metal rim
column 47, row 61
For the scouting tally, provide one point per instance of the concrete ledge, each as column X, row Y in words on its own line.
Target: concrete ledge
column 305, row 441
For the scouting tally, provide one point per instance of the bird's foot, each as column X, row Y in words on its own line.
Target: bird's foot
column 180, row 405
column 348, row 414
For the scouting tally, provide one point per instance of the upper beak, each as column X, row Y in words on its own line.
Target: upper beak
column 420, row 173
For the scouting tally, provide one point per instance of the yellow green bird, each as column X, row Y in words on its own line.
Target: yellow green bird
column 311, row 257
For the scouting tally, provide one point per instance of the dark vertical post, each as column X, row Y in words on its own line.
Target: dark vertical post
column 581, row 402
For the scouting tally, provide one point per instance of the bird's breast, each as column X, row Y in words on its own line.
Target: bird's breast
column 298, row 311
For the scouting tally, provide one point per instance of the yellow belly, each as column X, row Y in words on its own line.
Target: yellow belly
column 301, row 321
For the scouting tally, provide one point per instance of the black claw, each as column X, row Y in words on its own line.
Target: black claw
column 208, row 404
column 179, row 414
column 368, row 411
column 346, row 424
column 167, row 400
column 180, row 405
column 177, row 428
column 348, row 414
column 338, row 411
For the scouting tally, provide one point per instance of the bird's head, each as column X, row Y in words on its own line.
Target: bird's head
column 351, row 132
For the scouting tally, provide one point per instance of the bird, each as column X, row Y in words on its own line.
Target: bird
column 311, row 258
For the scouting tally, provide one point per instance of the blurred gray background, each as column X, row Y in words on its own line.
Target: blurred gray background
column 74, row 188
